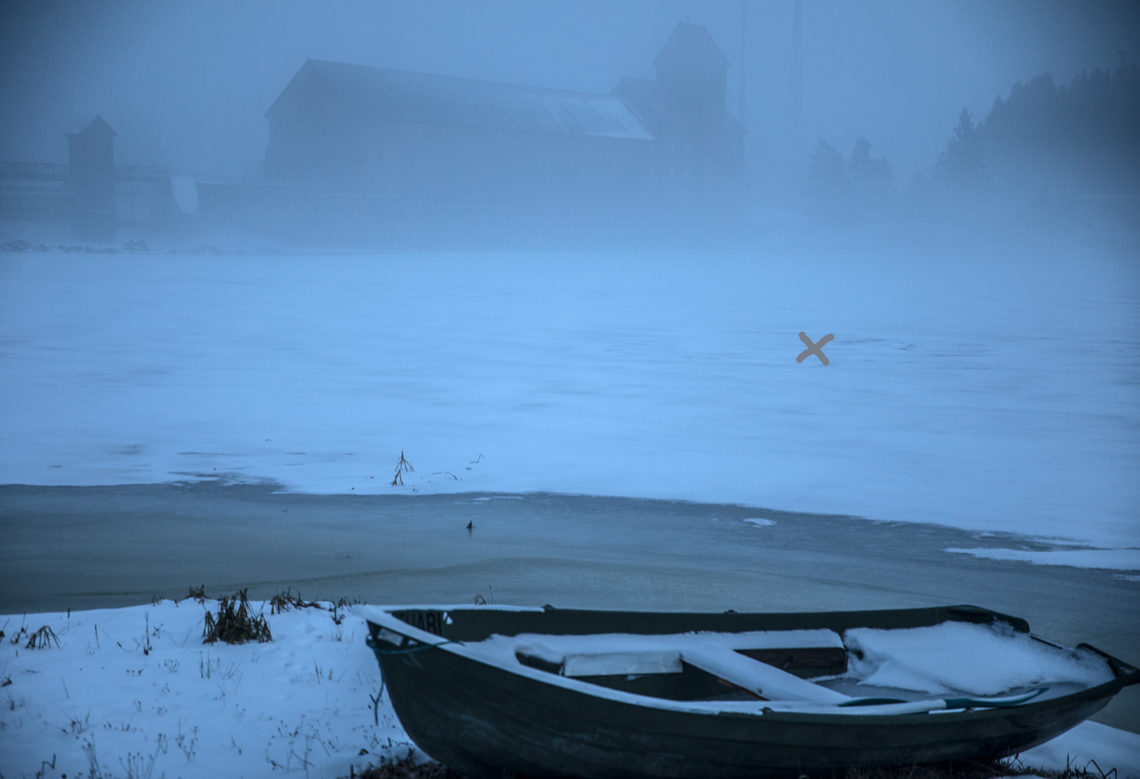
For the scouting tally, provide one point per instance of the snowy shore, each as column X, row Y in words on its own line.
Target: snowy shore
column 134, row 692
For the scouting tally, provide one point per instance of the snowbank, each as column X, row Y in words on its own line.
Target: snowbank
column 134, row 691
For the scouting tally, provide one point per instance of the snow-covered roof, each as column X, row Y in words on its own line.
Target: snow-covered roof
column 382, row 93
column 649, row 102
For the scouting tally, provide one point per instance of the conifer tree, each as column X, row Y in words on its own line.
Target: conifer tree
column 963, row 163
column 870, row 178
column 827, row 177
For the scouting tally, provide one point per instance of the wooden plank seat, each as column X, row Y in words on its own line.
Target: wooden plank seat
column 724, row 656
column 760, row 679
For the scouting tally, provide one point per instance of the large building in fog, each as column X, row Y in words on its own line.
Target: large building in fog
column 665, row 142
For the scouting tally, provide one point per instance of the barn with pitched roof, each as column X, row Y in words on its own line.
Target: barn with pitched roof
column 353, row 129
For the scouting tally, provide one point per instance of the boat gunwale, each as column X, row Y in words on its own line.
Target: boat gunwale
column 1123, row 674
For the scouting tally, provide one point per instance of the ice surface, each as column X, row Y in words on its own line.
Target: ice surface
column 1118, row 559
column 991, row 389
column 957, row 657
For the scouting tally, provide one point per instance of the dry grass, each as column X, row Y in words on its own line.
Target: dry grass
column 402, row 467
column 287, row 600
column 1010, row 766
column 42, row 639
column 408, row 768
column 235, row 623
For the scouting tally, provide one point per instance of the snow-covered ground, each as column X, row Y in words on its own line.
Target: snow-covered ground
column 134, row 692
column 986, row 387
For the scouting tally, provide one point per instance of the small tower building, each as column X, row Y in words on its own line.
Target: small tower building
column 91, row 179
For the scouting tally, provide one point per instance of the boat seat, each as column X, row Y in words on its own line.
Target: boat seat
column 653, row 661
column 722, row 655
column 769, row 646
column 758, row 678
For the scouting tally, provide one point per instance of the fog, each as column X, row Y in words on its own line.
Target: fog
column 946, row 170
column 186, row 85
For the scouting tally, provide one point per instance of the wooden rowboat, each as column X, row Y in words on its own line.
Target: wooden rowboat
column 493, row 691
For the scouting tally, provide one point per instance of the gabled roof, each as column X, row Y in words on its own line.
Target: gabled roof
column 381, row 93
column 690, row 45
column 96, row 127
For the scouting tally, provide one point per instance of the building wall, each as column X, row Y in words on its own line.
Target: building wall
column 458, row 164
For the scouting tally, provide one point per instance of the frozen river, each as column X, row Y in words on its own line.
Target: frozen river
column 985, row 387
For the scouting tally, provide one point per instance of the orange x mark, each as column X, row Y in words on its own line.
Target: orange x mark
column 816, row 348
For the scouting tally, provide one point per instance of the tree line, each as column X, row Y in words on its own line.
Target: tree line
column 1080, row 139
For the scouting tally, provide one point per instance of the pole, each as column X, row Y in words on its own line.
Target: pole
column 797, row 68
column 743, row 54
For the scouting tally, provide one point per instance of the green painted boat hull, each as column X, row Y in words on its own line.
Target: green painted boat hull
column 482, row 719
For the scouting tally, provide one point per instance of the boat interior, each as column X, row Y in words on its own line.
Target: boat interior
column 719, row 667
column 774, row 666
column 948, row 664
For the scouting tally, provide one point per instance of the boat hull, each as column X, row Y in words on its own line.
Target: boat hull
column 482, row 719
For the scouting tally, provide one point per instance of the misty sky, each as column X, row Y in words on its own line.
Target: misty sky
column 186, row 84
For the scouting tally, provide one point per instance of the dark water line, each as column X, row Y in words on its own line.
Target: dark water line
column 98, row 547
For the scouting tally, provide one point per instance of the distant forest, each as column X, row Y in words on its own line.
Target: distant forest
column 1083, row 138
column 1044, row 140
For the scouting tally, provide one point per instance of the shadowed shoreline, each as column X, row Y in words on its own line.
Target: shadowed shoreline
column 102, row 547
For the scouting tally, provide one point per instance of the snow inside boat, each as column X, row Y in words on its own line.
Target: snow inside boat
column 571, row 693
